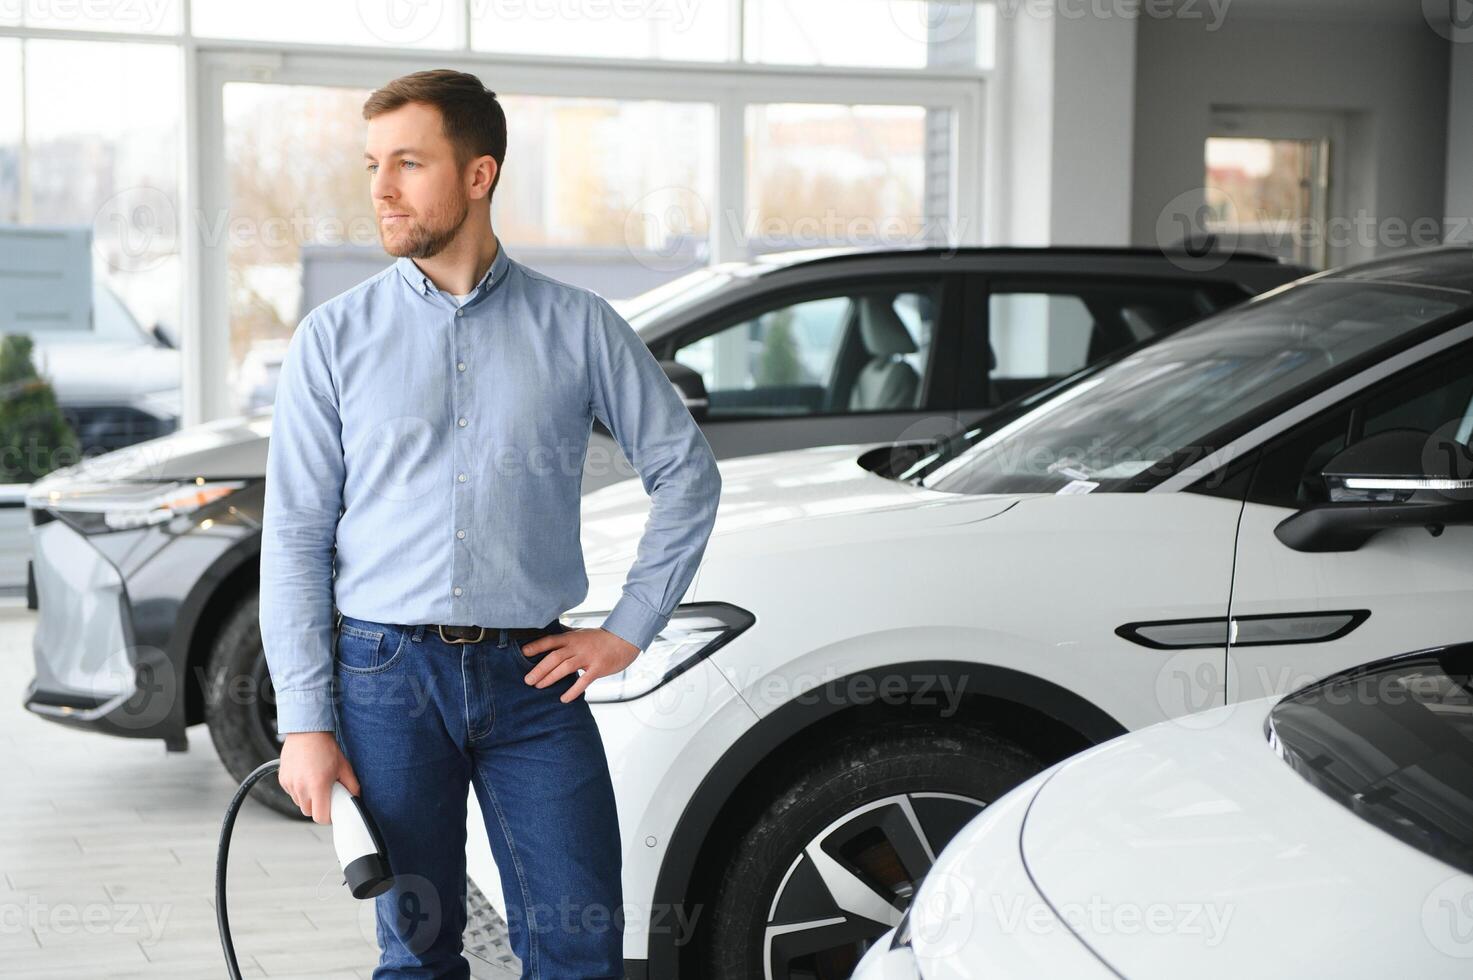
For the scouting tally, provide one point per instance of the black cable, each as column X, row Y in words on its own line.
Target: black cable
column 222, row 856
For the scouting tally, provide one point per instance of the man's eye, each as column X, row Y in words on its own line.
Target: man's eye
column 410, row 163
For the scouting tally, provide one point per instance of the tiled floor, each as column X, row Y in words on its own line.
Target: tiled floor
column 107, row 858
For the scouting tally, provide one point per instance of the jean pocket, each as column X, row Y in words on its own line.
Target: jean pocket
column 362, row 651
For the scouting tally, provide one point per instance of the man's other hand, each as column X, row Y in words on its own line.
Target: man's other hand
column 595, row 651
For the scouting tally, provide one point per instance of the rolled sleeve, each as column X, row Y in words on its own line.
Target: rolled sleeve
column 303, row 500
column 644, row 412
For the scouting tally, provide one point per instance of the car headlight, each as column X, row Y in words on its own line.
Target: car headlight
column 694, row 632
column 105, row 508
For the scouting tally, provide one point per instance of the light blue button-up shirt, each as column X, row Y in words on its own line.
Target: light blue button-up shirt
column 431, row 456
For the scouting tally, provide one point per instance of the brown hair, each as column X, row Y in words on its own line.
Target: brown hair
column 472, row 119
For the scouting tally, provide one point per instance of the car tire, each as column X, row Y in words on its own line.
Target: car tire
column 945, row 773
column 241, row 727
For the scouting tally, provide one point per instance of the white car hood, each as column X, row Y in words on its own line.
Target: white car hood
column 769, row 490
column 1248, row 869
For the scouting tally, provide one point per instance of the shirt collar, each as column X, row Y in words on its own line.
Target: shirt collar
column 422, row 284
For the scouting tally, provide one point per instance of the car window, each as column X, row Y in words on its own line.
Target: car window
column 1436, row 398
column 863, row 350
column 1038, row 334
column 1391, row 743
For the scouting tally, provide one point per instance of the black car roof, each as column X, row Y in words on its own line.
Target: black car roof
column 1441, row 267
column 817, row 256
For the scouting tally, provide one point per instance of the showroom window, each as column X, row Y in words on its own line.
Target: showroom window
column 917, row 33
column 641, row 149
column 91, row 279
column 821, row 175
column 400, row 25
column 585, row 203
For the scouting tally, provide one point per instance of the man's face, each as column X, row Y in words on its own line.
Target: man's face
column 419, row 194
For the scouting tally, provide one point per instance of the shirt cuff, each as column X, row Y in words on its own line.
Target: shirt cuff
column 634, row 621
column 305, row 711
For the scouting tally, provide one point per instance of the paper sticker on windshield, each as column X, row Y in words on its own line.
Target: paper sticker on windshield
column 1078, row 486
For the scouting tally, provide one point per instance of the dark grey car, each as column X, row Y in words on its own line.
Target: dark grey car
column 146, row 559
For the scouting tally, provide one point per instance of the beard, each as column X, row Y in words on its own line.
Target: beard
column 425, row 239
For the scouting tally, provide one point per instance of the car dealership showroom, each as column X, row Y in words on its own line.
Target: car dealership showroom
column 890, row 489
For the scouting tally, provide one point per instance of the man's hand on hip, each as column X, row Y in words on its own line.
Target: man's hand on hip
column 595, row 651
column 310, row 763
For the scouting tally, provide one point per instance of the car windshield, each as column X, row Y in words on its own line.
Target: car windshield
column 1393, row 742
column 1100, row 430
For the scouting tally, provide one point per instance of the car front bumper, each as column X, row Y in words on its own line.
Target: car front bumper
column 124, row 620
column 91, row 671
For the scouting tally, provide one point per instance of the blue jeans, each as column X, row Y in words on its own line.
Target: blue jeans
column 421, row 721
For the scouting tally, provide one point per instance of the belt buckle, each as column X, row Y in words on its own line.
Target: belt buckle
column 440, row 628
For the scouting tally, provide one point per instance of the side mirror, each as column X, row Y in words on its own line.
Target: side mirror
column 1397, row 478
column 691, row 386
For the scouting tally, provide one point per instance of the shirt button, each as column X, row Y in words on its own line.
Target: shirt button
column 457, row 590
column 461, row 478
column 460, row 534
column 460, row 366
column 460, row 312
column 461, row 422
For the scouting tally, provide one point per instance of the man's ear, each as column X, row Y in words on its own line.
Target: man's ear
column 484, row 171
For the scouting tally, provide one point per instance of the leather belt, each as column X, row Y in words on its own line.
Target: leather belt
column 475, row 634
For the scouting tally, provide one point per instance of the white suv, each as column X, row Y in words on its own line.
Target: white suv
column 884, row 638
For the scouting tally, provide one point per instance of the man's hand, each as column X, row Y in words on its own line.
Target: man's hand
column 310, row 763
column 595, row 651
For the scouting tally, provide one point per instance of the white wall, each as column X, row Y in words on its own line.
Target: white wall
column 1063, row 143
column 1389, row 79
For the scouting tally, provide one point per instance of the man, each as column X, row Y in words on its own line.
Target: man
column 427, row 449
